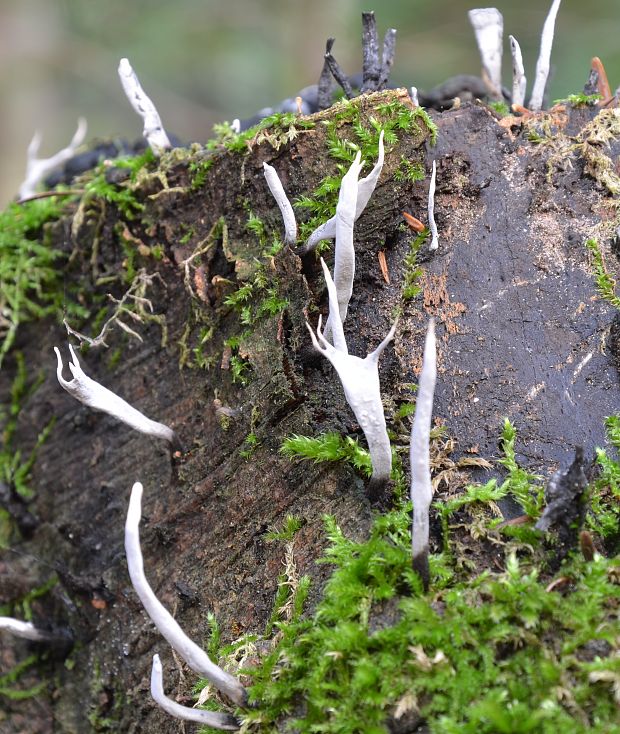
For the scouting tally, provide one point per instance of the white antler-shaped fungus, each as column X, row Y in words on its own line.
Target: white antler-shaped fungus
column 431, row 209
column 365, row 188
column 288, row 215
column 206, row 718
column 344, row 256
column 98, row 397
column 154, row 131
column 194, row 656
column 544, row 57
column 360, row 381
column 488, row 26
column 421, row 488
column 38, row 168
column 519, row 81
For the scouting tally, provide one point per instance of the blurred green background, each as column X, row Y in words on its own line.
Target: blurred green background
column 204, row 61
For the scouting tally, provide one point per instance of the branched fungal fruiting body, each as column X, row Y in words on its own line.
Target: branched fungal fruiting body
column 344, row 258
column 38, row 168
column 519, row 81
column 153, row 129
column 431, row 209
column 96, row 396
column 360, row 381
column 278, row 193
column 206, row 718
column 421, row 488
column 365, row 188
column 194, row 656
column 542, row 65
column 488, row 26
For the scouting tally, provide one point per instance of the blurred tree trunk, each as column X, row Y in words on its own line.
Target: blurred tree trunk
column 522, row 334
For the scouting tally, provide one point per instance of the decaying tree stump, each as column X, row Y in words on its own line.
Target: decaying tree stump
column 522, row 333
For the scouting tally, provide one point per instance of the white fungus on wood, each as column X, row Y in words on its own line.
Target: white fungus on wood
column 488, row 26
column 278, row 193
column 544, row 57
column 25, row 630
column 519, row 81
column 96, row 396
column 360, row 381
column 419, row 456
column 153, row 129
column 206, row 718
column 365, row 188
column 344, row 255
column 431, row 209
column 38, row 168
column 194, row 656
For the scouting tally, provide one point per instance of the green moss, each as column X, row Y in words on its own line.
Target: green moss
column 604, row 518
column 497, row 651
column 277, row 130
column 579, row 99
column 30, row 270
column 412, row 272
column 605, row 284
column 527, row 489
column 8, row 679
column 501, row 108
column 328, row 447
column 408, row 171
column 199, row 170
column 487, row 655
column 122, row 195
column 15, row 469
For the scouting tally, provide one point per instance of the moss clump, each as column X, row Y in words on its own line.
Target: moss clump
column 30, row 269
column 501, row 650
column 605, row 284
column 328, row 447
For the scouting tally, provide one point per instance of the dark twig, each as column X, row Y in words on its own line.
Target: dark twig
column 338, row 74
column 324, row 97
column 389, row 50
column 371, row 70
column 47, row 194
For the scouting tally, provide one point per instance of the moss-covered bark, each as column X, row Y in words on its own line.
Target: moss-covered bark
column 523, row 334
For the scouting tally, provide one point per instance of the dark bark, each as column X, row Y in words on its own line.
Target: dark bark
column 521, row 334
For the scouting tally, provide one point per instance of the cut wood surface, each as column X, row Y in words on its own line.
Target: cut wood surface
column 522, row 333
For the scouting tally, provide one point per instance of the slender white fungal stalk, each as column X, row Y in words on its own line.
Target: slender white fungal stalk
column 488, row 25
column 194, row 656
column 419, row 456
column 365, row 188
column 413, row 93
column 98, row 397
column 344, row 256
column 544, row 57
column 207, row 718
column 360, row 381
column 278, row 193
column 519, row 81
column 26, row 630
column 38, row 168
column 431, row 209
column 153, row 129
